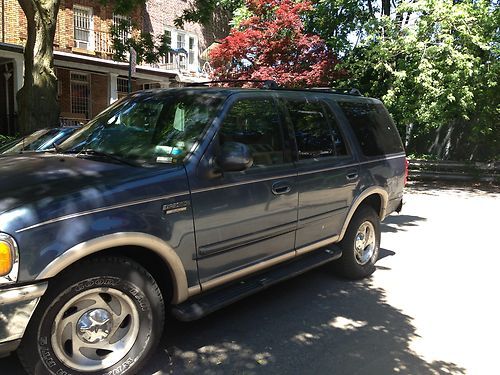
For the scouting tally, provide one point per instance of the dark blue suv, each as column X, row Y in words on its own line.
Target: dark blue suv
column 172, row 198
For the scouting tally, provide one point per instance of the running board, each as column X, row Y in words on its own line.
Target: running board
column 216, row 299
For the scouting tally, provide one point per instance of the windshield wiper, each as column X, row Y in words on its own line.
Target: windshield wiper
column 92, row 152
column 58, row 149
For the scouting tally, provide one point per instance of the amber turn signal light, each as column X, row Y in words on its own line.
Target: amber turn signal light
column 5, row 259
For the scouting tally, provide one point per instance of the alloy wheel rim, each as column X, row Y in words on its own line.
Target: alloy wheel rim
column 364, row 243
column 95, row 329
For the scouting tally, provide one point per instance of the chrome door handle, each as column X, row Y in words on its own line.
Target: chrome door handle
column 352, row 176
column 280, row 188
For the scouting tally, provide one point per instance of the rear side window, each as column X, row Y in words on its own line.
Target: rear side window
column 316, row 131
column 373, row 128
column 256, row 123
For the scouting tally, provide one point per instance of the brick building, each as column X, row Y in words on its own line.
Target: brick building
column 89, row 80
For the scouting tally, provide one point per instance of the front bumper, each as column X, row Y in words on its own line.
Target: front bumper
column 17, row 305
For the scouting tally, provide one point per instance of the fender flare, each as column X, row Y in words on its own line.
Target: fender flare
column 374, row 190
column 147, row 241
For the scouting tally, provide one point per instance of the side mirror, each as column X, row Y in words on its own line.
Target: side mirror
column 234, row 157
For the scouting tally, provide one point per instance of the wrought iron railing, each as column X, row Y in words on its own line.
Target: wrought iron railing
column 103, row 42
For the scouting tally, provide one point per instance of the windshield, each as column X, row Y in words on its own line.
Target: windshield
column 23, row 144
column 147, row 129
column 38, row 141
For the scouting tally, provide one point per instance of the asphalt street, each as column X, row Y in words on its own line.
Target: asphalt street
column 432, row 307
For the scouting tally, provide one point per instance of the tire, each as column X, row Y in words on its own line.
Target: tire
column 360, row 245
column 106, row 314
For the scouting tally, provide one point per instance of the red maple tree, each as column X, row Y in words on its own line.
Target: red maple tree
column 272, row 45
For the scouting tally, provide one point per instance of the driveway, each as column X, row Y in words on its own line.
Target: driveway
column 432, row 307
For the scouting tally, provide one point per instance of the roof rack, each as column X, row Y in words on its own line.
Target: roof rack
column 269, row 84
column 351, row 91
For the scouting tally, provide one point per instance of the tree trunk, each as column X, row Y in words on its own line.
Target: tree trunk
column 386, row 7
column 370, row 7
column 37, row 99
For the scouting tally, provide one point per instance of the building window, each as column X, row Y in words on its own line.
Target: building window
column 168, row 38
column 191, row 50
column 122, row 85
column 83, row 27
column 184, row 45
column 124, row 27
column 181, row 43
column 150, row 86
column 80, row 94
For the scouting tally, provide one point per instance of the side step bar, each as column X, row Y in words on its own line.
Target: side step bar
column 211, row 301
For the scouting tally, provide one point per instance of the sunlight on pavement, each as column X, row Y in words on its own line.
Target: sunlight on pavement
column 444, row 275
column 347, row 324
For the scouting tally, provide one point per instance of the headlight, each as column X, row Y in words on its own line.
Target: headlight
column 9, row 259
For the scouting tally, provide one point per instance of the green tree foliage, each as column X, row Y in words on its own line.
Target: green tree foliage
column 202, row 11
column 339, row 21
column 438, row 75
column 149, row 48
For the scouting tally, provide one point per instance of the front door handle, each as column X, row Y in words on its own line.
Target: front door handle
column 281, row 188
column 352, row 176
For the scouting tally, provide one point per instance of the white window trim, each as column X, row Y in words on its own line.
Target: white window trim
column 91, row 41
column 186, row 34
column 117, row 16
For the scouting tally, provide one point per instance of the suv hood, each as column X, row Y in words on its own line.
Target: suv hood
column 48, row 178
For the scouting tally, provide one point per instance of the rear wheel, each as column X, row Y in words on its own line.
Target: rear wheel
column 360, row 245
column 104, row 316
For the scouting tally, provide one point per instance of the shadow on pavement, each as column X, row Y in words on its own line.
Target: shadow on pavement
column 401, row 222
column 313, row 324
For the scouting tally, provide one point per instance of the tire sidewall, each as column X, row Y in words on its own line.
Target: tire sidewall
column 349, row 265
column 131, row 283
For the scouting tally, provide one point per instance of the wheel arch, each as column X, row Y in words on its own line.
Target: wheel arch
column 111, row 245
column 375, row 197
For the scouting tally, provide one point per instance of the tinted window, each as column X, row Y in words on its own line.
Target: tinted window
column 373, row 127
column 316, row 131
column 256, row 123
column 148, row 128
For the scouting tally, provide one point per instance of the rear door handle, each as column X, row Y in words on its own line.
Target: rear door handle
column 281, row 188
column 352, row 176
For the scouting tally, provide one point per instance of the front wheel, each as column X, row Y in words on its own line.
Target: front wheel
column 360, row 245
column 104, row 316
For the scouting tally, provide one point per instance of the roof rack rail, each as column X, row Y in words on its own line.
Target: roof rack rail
column 351, row 91
column 268, row 84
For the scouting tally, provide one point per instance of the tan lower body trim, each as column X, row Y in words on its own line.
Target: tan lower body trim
column 194, row 290
column 246, row 271
column 317, row 245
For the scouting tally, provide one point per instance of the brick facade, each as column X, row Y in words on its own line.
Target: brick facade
column 94, row 61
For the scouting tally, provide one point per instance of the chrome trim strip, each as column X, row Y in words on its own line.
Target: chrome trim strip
column 101, row 209
column 329, row 169
column 22, row 293
column 211, row 188
column 396, row 156
column 246, row 271
column 317, row 245
column 249, row 239
column 322, row 216
column 143, row 240
column 390, row 157
column 11, row 277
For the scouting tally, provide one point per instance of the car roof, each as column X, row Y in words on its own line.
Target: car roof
column 225, row 92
